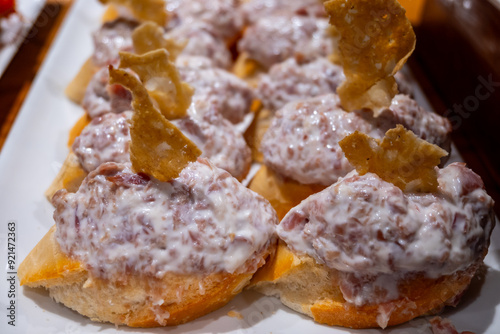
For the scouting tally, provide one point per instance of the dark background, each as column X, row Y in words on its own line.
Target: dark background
column 458, row 49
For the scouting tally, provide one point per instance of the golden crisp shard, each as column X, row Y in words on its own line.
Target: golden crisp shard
column 144, row 10
column 158, row 148
column 376, row 39
column 400, row 157
column 162, row 81
column 149, row 36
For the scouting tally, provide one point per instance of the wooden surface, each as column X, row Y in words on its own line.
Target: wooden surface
column 458, row 48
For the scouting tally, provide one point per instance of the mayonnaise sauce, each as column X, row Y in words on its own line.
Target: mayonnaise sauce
column 375, row 234
column 204, row 221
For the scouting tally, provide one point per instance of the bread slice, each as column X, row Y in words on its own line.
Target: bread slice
column 77, row 129
column 313, row 289
column 283, row 193
column 47, row 266
column 135, row 301
column 253, row 135
column 75, row 90
column 247, row 69
column 69, row 177
column 111, row 13
column 71, row 174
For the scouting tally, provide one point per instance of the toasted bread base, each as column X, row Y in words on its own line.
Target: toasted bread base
column 111, row 13
column 75, row 90
column 253, row 135
column 135, row 301
column 281, row 192
column 312, row 289
column 47, row 266
column 247, row 69
column 70, row 177
column 131, row 303
column 71, row 174
column 77, row 129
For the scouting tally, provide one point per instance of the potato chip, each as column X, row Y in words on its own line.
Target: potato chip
column 157, row 147
column 401, row 158
column 162, row 80
column 376, row 39
column 144, row 10
column 149, row 37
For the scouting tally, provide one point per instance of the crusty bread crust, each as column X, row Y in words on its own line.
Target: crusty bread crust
column 313, row 289
column 253, row 135
column 247, row 69
column 69, row 177
column 111, row 13
column 77, row 129
column 46, row 265
column 71, row 174
column 75, row 90
column 283, row 193
column 134, row 300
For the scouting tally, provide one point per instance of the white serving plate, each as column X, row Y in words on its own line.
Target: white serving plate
column 30, row 160
column 29, row 9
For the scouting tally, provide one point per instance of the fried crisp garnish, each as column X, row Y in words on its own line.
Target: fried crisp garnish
column 376, row 39
column 158, row 148
column 162, row 81
column 144, row 10
column 334, row 57
column 401, row 158
column 149, row 37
